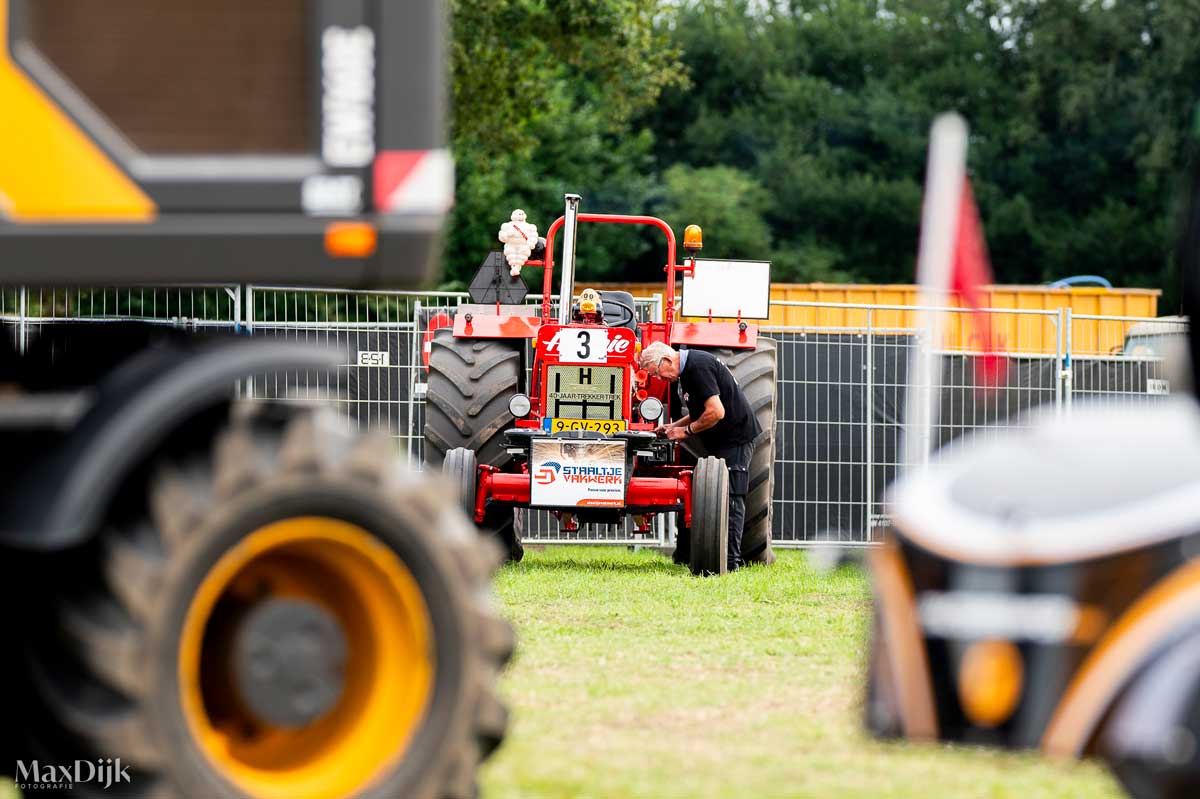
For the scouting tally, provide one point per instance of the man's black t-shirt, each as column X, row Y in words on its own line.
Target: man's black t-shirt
column 704, row 376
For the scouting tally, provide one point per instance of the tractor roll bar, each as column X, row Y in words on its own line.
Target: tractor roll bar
column 567, row 288
column 617, row 219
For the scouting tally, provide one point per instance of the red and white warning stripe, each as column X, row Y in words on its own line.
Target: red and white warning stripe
column 414, row 182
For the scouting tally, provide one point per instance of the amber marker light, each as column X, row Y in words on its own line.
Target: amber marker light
column 350, row 240
column 990, row 680
column 693, row 238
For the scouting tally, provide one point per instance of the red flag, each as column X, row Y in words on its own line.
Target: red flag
column 970, row 272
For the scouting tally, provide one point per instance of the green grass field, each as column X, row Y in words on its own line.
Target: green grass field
column 634, row 679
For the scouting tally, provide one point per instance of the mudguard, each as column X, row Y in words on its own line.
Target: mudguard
column 1150, row 738
column 60, row 499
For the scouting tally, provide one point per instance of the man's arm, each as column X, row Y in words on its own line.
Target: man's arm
column 714, row 411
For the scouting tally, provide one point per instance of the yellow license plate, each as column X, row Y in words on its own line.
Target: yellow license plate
column 599, row 425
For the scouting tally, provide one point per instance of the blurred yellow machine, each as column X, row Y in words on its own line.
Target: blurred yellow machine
column 1042, row 589
column 206, row 597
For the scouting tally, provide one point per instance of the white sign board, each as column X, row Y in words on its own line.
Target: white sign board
column 729, row 289
column 581, row 345
column 568, row 474
column 1156, row 386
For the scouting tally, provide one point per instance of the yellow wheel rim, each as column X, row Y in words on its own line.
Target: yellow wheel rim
column 389, row 662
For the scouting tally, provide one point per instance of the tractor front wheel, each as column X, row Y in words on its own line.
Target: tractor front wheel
column 710, row 518
column 462, row 468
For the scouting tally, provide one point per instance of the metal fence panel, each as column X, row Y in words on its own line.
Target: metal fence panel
column 842, row 392
column 190, row 307
column 374, row 333
column 842, row 381
column 1124, row 360
column 29, row 312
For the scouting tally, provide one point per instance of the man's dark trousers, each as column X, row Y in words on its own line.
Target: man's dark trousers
column 737, row 458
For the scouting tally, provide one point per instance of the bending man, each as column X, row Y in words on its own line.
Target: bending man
column 718, row 414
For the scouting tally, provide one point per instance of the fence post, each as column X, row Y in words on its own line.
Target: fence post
column 235, row 294
column 1058, row 362
column 1068, row 377
column 415, row 363
column 250, row 332
column 869, row 482
column 21, row 330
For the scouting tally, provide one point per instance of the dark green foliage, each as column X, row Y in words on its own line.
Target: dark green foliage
column 544, row 91
column 799, row 133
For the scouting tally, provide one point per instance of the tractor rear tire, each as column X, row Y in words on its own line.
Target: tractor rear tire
column 461, row 467
column 470, row 384
column 191, row 647
column 709, row 535
column 755, row 371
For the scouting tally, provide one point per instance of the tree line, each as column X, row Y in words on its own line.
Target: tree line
column 796, row 131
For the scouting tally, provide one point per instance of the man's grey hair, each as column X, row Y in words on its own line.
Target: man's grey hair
column 653, row 355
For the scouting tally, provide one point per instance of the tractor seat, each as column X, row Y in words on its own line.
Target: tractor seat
column 614, row 313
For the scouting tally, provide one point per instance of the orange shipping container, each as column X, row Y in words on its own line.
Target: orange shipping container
column 1016, row 332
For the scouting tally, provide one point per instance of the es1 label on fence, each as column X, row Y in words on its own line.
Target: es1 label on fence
column 577, row 473
column 373, row 358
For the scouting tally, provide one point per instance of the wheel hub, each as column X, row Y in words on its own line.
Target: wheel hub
column 289, row 661
column 306, row 660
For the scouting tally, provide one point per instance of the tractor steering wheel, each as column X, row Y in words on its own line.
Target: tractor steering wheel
column 630, row 314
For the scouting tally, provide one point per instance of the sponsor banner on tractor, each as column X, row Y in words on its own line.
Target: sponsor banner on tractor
column 577, row 473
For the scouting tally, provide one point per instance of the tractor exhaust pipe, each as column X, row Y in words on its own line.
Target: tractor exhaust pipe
column 566, row 290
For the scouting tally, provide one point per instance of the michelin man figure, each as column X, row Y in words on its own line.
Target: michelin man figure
column 519, row 239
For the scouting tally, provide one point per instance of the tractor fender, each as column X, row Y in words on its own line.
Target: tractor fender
column 1150, row 737
column 1146, row 721
column 1162, row 615
column 59, row 501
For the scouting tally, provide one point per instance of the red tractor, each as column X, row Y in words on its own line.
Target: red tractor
column 579, row 440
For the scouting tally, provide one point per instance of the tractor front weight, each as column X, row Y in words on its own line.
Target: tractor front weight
column 643, row 495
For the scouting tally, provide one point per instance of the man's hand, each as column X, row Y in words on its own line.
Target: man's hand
column 666, row 428
column 677, row 433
